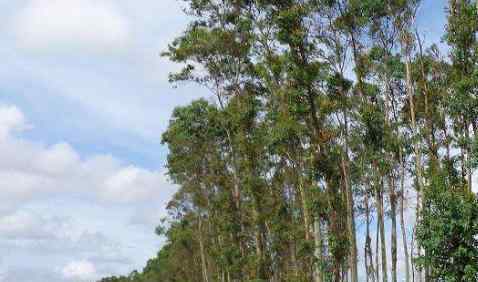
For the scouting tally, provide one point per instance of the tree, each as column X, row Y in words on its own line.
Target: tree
column 448, row 231
column 326, row 114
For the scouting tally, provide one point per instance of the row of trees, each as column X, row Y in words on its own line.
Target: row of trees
column 339, row 147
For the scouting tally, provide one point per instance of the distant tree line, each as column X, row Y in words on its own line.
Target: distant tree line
column 340, row 145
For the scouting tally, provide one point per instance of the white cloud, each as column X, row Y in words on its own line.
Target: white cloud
column 118, row 186
column 30, row 226
column 30, row 170
column 93, row 25
column 66, row 58
column 39, row 183
column 80, row 270
column 11, row 119
column 55, row 236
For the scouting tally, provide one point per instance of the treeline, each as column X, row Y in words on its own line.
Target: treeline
column 340, row 146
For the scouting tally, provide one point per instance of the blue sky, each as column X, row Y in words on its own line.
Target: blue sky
column 84, row 98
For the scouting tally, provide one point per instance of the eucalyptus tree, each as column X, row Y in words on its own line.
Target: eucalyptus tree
column 194, row 140
column 461, row 35
column 448, row 196
column 326, row 113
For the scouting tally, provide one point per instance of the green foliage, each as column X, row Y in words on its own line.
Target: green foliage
column 448, row 232
column 274, row 175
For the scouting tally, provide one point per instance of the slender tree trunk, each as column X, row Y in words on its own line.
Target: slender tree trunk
column 308, row 229
column 369, row 267
column 463, row 156
column 204, row 269
column 417, row 215
column 418, row 166
column 367, row 238
column 259, row 242
column 468, row 158
column 223, row 271
column 304, row 200
column 402, row 220
column 383, row 244
column 393, row 239
column 377, row 256
column 350, row 224
column 391, row 181
column 318, row 276
column 292, row 241
column 293, row 258
column 350, row 208
column 379, row 185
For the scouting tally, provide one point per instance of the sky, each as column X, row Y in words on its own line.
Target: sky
column 84, row 99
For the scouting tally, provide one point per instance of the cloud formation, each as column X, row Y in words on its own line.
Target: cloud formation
column 80, row 271
column 29, row 169
column 33, row 172
column 29, row 226
column 53, row 25
column 11, row 119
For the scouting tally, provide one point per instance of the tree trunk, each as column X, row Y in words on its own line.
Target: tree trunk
column 350, row 224
column 259, row 243
column 293, row 258
column 350, row 208
column 367, row 238
column 393, row 239
column 468, row 158
column 418, row 166
column 381, row 222
column 204, row 269
column 377, row 244
column 369, row 268
column 402, row 220
column 318, row 250
column 304, row 200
